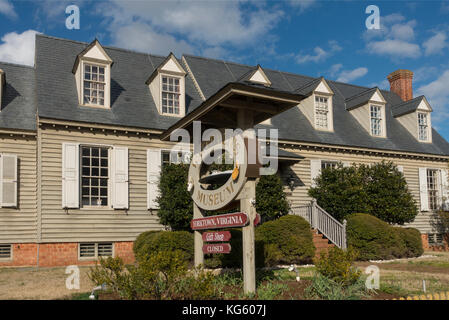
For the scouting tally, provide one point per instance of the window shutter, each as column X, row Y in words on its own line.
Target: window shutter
column 423, row 189
column 120, row 193
column 315, row 170
column 153, row 173
column 70, row 175
column 444, row 188
column 8, row 180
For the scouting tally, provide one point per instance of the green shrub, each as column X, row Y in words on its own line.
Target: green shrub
column 271, row 200
column 379, row 190
column 337, row 265
column 175, row 202
column 412, row 241
column 286, row 240
column 154, row 241
column 377, row 240
column 160, row 275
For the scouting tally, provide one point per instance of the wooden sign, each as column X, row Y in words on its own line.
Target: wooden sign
column 217, row 248
column 257, row 219
column 216, row 236
column 229, row 220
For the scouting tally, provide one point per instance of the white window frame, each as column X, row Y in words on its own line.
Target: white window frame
column 328, row 114
column 437, row 184
column 168, row 92
column 380, row 119
column 95, row 257
column 427, row 124
column 107, row 83
column 109, row 204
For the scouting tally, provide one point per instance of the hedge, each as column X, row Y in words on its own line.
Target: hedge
column 375, row 239
column 153, row 241
column 283, row 241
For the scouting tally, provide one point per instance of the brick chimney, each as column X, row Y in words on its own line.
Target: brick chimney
column 401, row 83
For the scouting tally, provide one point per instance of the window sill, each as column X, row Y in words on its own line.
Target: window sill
column 95, row 106
column 96, row 208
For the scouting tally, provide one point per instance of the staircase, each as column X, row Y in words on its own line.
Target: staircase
column 327, row 231
column 321, row 243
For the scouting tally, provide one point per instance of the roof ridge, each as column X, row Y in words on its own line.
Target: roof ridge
column 104, row 46
column 17, row 65
column 361, row 93
column 408, row 101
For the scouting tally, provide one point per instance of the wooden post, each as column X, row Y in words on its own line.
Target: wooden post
column 245, row 121
column 198, row 239
column 249, row 252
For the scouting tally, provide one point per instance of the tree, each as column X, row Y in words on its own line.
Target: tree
column 175, row 202
column 379, row 190
column 271, row 201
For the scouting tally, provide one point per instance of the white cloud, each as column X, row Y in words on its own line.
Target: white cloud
column 7, row 8
column 395, row 38
column 335, row 68
column 438, row 95
column 141, row 37
column 394, row 48
column 319, row 54
column 206, row 26
column 351, row 75
column 18, row 48
column 435, row 44
column 302, row 4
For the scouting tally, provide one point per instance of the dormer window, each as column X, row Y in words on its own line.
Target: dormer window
column 423, row 127
column 321, row 112
column 92, row 71
column 94, row 84
column 376, row 120
column 170, row 94
column 167, row 87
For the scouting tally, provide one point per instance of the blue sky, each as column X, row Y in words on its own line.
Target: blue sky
column 312, row 37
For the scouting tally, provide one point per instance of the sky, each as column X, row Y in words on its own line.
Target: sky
column 311, row 37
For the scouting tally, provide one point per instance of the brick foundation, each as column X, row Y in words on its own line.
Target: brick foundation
column 426, row 246
column 59, row 254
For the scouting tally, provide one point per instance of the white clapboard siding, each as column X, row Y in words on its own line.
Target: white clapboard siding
column 315, row 170
column 70, row 175
column 8, row 180
column 153, row 173
column 424, row 198
column 120, row 180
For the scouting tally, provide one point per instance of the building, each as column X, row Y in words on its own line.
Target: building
column 83, row 135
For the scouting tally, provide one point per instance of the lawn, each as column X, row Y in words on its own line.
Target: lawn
column 397, row 279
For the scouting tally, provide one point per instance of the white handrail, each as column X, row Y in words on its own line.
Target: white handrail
column 319, row 219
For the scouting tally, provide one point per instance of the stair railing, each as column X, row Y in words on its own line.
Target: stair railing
column 319, row 219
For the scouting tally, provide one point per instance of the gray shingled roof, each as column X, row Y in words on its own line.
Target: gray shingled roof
column 407, row 106
column 18, row 110
column 359, row 99
column 131, row 102
column 211, row 75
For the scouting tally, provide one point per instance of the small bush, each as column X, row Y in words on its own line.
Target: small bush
column 271, row 200
column 154, row 241
column 286, row 240
column 377, row 240
column 337, row 265
column 160, row 276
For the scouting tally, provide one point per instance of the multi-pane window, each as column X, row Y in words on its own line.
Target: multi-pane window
column 328, row 164
column 422, row 126
column 321, row 112
column 170, row 95
column 94, row 84
column 171, row 157
column 376, row 120
column 435, row 239
column 433, row 188
column 94, row 175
